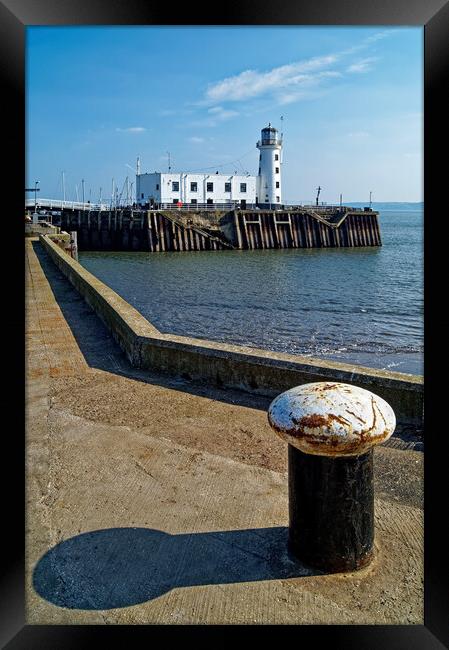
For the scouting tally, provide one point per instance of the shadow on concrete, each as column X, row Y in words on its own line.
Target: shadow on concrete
column 120, row 567
column 101, row 351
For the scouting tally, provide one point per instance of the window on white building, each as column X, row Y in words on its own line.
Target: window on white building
column 175, row 186
column 227, row 187
column 175, row 200
column 210, row 201
column 276, row 156
column 243, row 187
column 193, row 201
column 209, row 187
column 157, row 186
column 194, row 187
column 277, row 184
column 277, row 170
column 278, row 199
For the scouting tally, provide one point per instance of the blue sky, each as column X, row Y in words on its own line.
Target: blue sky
column 351, row 99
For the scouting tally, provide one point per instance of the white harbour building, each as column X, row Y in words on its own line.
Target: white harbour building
column 219, row 190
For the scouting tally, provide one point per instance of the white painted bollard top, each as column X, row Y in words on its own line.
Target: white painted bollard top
column 331, row 419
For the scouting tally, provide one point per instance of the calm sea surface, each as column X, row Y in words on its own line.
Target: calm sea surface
column 363, row 306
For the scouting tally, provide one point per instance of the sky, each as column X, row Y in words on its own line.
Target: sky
column 351, row 99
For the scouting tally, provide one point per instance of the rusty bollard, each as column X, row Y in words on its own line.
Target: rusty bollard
column 331, row 429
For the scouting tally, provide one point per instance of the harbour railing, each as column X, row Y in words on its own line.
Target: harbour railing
column 58, row 204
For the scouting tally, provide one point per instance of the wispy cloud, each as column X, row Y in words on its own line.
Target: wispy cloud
column 289, row 83
column 251, row 83
column 221, row 114
column 368, row 41
column 281, row 85
column 195, row 140
column 214, row 116
column 379, row 36
column 309, row 89
column 283, row 99
column 132, row 129
column 364, row 65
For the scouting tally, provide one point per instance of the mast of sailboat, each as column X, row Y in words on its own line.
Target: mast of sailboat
column 63, row 189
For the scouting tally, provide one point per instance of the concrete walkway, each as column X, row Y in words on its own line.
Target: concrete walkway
column 153, row 500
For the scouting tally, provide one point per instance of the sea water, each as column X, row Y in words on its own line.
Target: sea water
column 357, row 305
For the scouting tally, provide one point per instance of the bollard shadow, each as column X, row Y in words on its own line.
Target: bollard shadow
column 101, row 351
column 121, row 567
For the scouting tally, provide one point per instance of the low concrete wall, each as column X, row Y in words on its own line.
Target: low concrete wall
column 250, row 369
column 42, row 228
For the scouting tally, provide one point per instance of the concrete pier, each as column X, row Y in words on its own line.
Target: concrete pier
column 177, row 230
column 153, row 499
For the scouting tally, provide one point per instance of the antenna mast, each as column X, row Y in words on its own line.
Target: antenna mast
column 138, row 166
column 63, row 189
column 318, row 194
column 282, row 138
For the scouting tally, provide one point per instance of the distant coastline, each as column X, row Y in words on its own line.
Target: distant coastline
column 389, row 205
column 376, row 205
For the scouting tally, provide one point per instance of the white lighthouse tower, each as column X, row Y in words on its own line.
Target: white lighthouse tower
column 269, row 177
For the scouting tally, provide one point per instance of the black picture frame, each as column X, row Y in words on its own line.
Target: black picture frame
column 433, row 15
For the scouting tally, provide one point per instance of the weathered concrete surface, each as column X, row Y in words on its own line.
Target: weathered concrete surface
column 169, row 500
column 258, row 371
column 42, row 228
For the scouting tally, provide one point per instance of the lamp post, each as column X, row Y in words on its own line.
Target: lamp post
column 35, row 195
column 34, row 189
